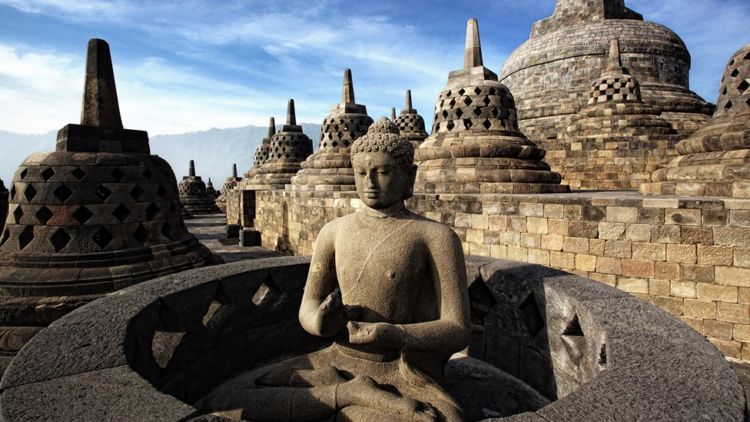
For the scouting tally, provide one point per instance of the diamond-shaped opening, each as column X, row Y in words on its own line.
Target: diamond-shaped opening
column 266, row 294
column 449, row 93
column 44, row 214
column 147, row 174
column 13, row 192
column 103, row 192
column 102, row 237
column 27, row 235
column 47, row 173
column 117, row 174
column 486, row 101
column 83, row 214
column 743, row 86
column 152, row 211
column 140, row 234
column 477, row 90
column 450, row 125
column 24, row 173
column 59, row 239
column 163, row 346
column 18, row 213
column 735, row 72
column 747, row 56
column 29, row 193
column 728, row 105
column 482, row 301
column 492, row 91
column 495, row 112
column 573, row 328
column 531, row 315
column 487, row 124
column 478, row 111
column 467, row 123
column 62, row 193
column 461, row 91
column 166, row 230
column 459, row 113
column 468, row 101
column 121, row 213
column 137, row 192
column 78, row 173
column 6, row 236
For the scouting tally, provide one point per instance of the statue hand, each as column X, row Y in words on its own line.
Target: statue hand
column 332, row 313
column 377, row 334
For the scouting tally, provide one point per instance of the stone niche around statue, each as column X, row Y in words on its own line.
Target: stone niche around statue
column 715, row 160
column 476, row 145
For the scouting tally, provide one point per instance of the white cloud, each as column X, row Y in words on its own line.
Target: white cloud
column 75, row 9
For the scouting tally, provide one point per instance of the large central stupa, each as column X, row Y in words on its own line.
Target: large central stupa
column 550, row 73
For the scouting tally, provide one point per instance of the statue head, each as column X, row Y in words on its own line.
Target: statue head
column 383, row 163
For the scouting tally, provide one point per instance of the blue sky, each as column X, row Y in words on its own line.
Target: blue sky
column 195, row 64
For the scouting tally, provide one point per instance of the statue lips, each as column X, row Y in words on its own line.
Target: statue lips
column 372, row 194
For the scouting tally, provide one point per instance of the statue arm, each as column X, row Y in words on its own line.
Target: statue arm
column 451, row 332
column 322, row 311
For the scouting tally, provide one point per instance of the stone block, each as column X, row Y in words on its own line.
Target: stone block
column 690, row 235
column 715, row 255
column 667, row 271
column 554, row 210
column 566, row 261
column 673, row 305
column 538, row 256
column 715, row 217
column 733, row 276
column 743, row 295
column 536, row 225
column 622, row 214
column 531, row 240
column 474, row 236
column 618, row 249
column 479, row 221
column 586, row 229
column 729, row 312
column 462, row 220
column 700, row 309
column 552, row 242
column 658, row 287
column 684, row 289
column 637, row 268
column 611, row 231
column 250, row 237
column 687, row 217
column 557, row 226
column 742, row 257
column 597, row 247
column 609, row 265
column 718, row 329
column 732, row 236
column 730, row 349
column 531, row 210
column 684, row 254
column 585, row 262
column 741, row 332
column 697, row 273
column 638, row 232
column 576, row 245
column 649, row 251
column 739, row 218
column 633, row 285
column 666, row 234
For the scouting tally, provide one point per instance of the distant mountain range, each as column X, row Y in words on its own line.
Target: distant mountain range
column 213, row 150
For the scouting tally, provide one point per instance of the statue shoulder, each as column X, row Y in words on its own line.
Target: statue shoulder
column 434, row 231
column 337, row 225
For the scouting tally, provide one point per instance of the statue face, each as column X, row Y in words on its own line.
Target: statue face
column 380, row 181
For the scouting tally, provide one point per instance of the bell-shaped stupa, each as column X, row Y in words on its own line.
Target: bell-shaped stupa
column 286, row 150
column 261, row 155
column 229, row 184
column 194, row 195
column 97, row 214
column 410, row 123
column 330, row 167
column 550, row 73
column 210, row 190
column 715, row 160
column 616, row 141
column 476, row 146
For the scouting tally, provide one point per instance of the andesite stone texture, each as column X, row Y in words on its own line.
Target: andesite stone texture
column 287, row 148
column 616, row 141
column 715, row 160
column 410, row 123
column 229, row 184
column 194, row 195
column 550, row 73
column 210, row 190
column 476, row 145
column 97, row 214
column 329, row 168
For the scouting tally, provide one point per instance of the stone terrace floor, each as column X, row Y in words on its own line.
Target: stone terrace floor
column 211, row 231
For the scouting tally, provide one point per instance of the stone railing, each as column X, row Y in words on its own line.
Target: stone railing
column 151, row 351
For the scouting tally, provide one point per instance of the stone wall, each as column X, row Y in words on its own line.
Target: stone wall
column 690, row 257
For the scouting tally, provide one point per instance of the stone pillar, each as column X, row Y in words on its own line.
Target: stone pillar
column 476, row 146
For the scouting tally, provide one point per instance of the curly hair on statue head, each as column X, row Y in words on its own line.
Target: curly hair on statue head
column 383, row 136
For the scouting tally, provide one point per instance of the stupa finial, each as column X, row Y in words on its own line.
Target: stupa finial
column 271, row 127
column 393, row 113
column 100, row 106
column 615, row 61
column 407, row 100
column 191, row 172
column 291, row 117
column 347, row 96
column 473, row 53
column 234, row 170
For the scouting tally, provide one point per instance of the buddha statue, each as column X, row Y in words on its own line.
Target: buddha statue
column 389, row 287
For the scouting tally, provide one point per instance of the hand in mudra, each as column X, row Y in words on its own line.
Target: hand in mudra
column 376, row 334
